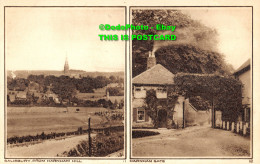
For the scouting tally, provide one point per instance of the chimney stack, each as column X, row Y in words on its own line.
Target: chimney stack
column 151, row 60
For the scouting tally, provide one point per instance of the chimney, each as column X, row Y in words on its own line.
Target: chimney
column 151, row 60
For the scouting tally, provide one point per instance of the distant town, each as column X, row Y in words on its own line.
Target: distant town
column 65, row 88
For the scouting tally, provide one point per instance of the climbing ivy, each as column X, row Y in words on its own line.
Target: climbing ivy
column 224, row 92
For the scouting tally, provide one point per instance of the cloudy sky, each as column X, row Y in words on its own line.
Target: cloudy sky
column 39, row 38
column 234, row 26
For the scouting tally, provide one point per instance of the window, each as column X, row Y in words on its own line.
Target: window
column 140, row 115
column 161, row 92
column 139, row 92
column 161, row 89
column 138, row 89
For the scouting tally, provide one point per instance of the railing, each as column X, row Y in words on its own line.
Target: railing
column 193, row 107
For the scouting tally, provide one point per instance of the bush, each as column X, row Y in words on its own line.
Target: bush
column 102, row 145
column 140, row 134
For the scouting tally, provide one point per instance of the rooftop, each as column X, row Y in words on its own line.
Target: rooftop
column 155, row 75
column 243, row 67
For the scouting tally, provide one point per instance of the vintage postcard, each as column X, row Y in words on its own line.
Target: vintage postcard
column 129, row 81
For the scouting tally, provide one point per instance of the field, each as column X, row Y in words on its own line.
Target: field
column 23, row 121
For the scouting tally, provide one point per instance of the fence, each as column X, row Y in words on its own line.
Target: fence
column 240, row 127
column 80, row 131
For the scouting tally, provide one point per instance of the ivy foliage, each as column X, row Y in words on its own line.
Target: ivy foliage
column 153, row 105
column 223, row 92
column 191, row 59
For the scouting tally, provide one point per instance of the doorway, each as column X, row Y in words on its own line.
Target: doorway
column 162, row 118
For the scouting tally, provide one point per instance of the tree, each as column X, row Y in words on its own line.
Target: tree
column 112, row 79
column 223, row 92
column 194, row 50
column 191, row 59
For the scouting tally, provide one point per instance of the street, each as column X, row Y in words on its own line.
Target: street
column 192, row 142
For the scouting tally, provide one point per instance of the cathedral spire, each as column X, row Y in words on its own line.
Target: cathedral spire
column 66, row 66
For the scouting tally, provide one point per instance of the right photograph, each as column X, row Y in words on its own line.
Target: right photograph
column 191, row 85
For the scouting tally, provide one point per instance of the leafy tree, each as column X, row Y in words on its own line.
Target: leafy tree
column 190, row 59
column 112, row 79
column 224, row 93
column 194, row 50
column 115, row 91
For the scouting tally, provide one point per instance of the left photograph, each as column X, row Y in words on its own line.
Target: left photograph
column 65, row 87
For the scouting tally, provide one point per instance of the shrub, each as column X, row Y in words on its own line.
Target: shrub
column 140, row 134
column 102, row 145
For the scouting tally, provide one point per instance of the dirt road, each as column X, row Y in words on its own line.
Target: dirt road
column 192, row 142
column 48, row 148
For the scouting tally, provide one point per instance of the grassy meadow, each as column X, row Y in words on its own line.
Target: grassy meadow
column 23, row 121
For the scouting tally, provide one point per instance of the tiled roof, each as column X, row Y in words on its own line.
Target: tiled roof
column 155, row 75
column 242, row 67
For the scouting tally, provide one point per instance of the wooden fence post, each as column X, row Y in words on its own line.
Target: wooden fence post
column 244, row 129
column 237, row 127
column 232, row 126
column 89, row 138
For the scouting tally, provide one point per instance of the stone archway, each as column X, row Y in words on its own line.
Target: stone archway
column 162, row 118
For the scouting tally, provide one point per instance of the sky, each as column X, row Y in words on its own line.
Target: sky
column 234, row 27
column 40, row 38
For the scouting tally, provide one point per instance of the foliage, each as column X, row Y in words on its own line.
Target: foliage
column 200, row 103
column 115, row 91
column 190, row 59
column 153, row 103
column 223, row 92
column 101, row 146
column 151, row 106
column 111, row 115
column 194, row 50
column 64, row 86
column 18, row 84
column 140, row 134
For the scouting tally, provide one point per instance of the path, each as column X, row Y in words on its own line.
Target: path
column 48, row 148
column 192, row 142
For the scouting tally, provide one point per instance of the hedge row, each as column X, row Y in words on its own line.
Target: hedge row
column 101, row 145
column 43, row 136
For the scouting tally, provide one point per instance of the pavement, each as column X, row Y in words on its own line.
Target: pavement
column 197, row 141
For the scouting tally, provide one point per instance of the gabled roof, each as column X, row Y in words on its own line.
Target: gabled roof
column 244, row 67
column 156, row 75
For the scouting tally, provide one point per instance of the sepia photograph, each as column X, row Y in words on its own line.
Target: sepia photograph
column 65, row 88
column 192, row 97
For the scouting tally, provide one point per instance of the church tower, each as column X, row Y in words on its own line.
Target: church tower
column 66, row 67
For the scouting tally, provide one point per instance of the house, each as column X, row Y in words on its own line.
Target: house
column 14, row 95
column 243, row 73
column 161, row 80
